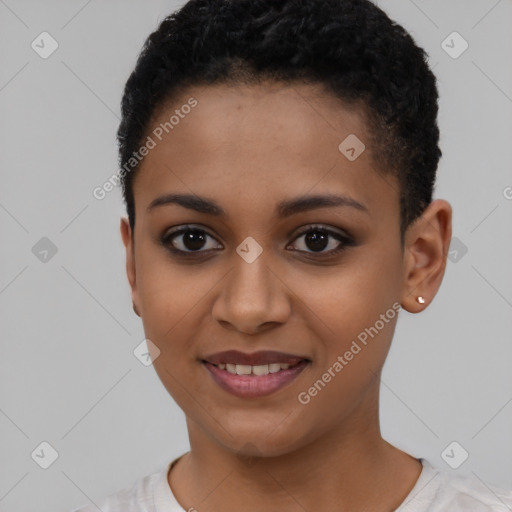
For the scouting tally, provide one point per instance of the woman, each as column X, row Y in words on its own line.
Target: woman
column 278, row 160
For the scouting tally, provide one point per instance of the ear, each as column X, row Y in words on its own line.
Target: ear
column 426, row 246
column 127, row 236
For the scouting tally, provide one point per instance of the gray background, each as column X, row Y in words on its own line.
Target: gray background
column 68, row 375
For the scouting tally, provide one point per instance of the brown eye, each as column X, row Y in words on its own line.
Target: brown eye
column 317, row 239
column 188, row 240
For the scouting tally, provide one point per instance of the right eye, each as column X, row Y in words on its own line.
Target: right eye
column 186, row 241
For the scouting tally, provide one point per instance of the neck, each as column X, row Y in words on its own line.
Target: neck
column 350, row 467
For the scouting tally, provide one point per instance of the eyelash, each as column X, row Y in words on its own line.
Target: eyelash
column 168, row 237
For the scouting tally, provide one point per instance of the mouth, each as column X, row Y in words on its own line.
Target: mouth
column 254, row 375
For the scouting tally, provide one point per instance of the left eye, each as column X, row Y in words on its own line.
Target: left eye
column 317, row 239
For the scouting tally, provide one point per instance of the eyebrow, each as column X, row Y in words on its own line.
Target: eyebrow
column 284, row 208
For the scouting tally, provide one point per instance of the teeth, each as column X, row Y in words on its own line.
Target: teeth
column 243, row 369
column 246, row 369
column 261, row 369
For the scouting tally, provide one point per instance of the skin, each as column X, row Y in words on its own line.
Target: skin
column 249, row 147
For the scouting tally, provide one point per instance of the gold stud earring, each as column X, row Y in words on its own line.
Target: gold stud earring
column 420, row 299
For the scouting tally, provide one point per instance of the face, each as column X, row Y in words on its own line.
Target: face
column 308, row 281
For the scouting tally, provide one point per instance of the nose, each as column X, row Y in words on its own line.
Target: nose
column 253, row 298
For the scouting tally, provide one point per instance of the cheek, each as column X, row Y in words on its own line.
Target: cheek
column 342, row 299
column 167, row 291
column 349, row 309
column 164, row 302
column 347, row 367
column 175, row 309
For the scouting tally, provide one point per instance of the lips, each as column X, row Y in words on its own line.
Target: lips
column 253, row 359
column 254, row 385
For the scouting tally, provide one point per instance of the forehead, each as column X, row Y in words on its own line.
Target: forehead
column 251, row 144
column 264, row 121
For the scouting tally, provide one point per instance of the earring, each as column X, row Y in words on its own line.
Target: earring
column 420, row 299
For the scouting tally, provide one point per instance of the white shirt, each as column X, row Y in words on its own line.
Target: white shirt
column 434, row 491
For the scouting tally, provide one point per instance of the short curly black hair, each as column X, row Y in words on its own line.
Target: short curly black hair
column 351, row 47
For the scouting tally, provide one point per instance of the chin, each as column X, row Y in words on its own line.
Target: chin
column 253, row 443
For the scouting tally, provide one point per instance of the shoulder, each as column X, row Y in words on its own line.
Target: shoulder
column 470, row 493
column 138, row 497
column 458, row 493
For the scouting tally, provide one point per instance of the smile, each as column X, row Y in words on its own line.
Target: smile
column 247, row 381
